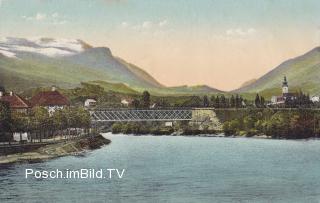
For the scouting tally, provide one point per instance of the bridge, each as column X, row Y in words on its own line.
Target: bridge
column 197, row 116
column 127, row 115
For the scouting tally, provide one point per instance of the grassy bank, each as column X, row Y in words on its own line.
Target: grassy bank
column 47, row 152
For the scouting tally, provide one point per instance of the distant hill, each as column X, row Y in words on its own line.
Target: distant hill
column 42, row 62
column 115, row 87
column 247, row 83
column 186, row 90
column 38, row 62
column 302, row 72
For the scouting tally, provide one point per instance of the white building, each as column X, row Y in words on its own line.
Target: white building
column 315, row 99
column 126, row 102
column 90, row 103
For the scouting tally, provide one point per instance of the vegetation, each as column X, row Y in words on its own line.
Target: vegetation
column 287, row 124
column 145, row 101
column 5, row 120
column 39, row 124
column 155, row 128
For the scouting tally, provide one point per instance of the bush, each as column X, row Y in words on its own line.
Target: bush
column 116, row 128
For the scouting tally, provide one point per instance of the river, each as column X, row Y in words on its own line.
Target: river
column 178, row 169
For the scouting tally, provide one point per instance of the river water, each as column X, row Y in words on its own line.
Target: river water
column 178, row 169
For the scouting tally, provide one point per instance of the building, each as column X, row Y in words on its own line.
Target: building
column 154, row 105
column 286, row 95
column 16, row 103
column 126, row 101
column 21, row 137
column 51, row 100
column 90, row 103
column 315, row 99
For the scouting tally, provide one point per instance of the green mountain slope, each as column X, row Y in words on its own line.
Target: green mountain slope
column 141, row 73
column 21, row 74
column 302, row 72
column 29, row 63
column 115, row 87
column 185, row 90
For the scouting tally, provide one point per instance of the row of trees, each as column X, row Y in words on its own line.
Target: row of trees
column 219, row 101
column 225, row 102
column 301, row 100
column 143, row 102
column 39, row 124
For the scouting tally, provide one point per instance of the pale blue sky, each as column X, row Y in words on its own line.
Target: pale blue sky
column 174, row 36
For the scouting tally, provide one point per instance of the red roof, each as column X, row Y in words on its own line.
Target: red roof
column 49, row 98
column 15, row 101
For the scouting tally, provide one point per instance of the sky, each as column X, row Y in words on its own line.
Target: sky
column 221, row 43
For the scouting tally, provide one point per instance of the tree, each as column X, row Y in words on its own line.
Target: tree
column 217, row 102
column 5, row 120
column 262, row 101
column 205, row 101
column 223, row 102
column 145, row 99
column 238, row 101
column 41, row 117
column 213, row 101
column 232, row 101
column 135, row 103
column 257, row 101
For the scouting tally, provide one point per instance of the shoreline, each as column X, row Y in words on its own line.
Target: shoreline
column 220, row 135
column 52, row 151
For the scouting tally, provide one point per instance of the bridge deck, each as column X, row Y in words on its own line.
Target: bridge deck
column 178, row 114
column 141, row 115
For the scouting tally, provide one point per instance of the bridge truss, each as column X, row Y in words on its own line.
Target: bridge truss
column 126, row 115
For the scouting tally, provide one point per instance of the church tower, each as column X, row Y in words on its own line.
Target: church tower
column 285, row 87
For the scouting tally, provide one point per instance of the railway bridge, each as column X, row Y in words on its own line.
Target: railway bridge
column 198, row 116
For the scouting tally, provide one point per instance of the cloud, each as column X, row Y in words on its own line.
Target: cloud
column 36, row 17
column 124, row 24
column 163, row 23
column 40, row 16
column 145, row 25
column 54, row 18
column 241, row 32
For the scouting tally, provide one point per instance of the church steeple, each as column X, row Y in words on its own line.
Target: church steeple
column 285, row 87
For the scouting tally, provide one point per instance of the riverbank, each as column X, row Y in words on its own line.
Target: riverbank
column 70, row 147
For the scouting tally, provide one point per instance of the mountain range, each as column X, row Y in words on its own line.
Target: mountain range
column 42, row 62
column 35, row 62
column 302, row 72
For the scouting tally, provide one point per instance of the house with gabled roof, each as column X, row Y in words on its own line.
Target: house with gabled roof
column 51, row 100
column 16, row 102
